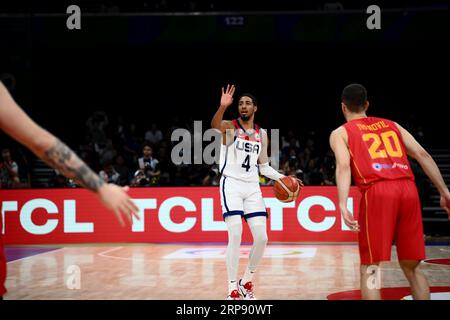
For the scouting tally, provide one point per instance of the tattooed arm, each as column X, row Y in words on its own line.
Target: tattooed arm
column 60, row 157
column 15, row 122
column 18, row 125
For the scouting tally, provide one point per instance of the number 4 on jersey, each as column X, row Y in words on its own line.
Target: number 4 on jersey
column 246, row 163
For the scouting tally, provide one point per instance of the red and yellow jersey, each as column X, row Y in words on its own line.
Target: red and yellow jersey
column 377, row 151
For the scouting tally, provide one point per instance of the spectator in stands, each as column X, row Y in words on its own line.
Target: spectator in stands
column 195, row 175
column 212, row 178
column 304, row 158
column 148, row 172
column 60, row 181
column 180, row 175
column 131, row 143
column 108, row 153
column 123, row 171
column 291, row 166
column 311, row 144
column 96, row 125
column 154, row 136
column 9, row 171
column 329, row 168
column 291, row 148
column 166, row 166
column 290, row 141
column 313, row 176
column 109, row 174
column 87, row 154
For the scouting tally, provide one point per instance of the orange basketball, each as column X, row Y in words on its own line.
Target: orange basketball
column 286, row 189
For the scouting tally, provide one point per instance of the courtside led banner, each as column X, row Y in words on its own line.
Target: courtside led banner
column 192, row 214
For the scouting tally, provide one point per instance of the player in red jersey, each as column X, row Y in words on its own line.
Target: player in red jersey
column 46, row 146
column 374, row 151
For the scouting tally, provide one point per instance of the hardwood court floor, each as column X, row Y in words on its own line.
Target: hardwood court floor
column 192, row 271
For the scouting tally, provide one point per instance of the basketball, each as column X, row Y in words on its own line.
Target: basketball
column 286, row 189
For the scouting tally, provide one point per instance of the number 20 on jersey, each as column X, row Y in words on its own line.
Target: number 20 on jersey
column 384, row 144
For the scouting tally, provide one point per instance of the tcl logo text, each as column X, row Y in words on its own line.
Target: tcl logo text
column 176, row 214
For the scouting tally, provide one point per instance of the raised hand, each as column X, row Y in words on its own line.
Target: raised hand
column 227, row 96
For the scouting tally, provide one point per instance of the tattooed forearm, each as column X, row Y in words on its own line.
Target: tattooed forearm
column 62, row 158
column 88, row 178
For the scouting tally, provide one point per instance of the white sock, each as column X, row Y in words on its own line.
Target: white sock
column 234, row 225
column 258, row 228
column 232, row 285
column 248, row 276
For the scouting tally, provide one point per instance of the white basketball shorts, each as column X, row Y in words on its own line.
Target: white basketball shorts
column 241, row 198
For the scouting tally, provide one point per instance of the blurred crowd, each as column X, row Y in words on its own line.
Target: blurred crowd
column 124, row 154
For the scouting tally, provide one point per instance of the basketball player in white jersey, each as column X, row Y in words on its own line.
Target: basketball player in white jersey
column 243, row 157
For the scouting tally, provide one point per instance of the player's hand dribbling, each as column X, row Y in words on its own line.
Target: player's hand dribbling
column 227, row 96
column 116, row 199
column 445, row 203
column 349, row 220
column 300, row 182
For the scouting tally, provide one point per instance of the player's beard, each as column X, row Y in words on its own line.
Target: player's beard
column 245, row 117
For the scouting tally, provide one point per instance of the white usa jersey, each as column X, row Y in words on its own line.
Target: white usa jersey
column 239, row 159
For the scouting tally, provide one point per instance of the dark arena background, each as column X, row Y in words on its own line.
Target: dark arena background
column 137, row 71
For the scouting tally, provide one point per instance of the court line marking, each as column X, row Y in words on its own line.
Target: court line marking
column 109, row 250
column 35, row 255
column 211, row 261
column 214, row 260
column 201, row 261
column 104, row 254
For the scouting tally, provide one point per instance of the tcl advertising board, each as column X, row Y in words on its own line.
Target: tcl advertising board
column 191, row 214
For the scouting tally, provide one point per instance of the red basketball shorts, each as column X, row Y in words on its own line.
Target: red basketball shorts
column 2, row 262
column 390, row 212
